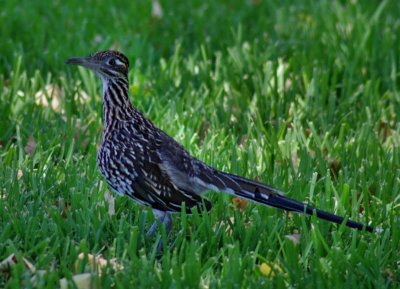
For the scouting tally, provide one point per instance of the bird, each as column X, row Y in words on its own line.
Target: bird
column 139, row 160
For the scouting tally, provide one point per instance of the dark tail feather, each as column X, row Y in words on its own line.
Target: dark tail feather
column 267, row 195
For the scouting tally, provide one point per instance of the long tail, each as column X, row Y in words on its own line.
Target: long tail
column 267, row 195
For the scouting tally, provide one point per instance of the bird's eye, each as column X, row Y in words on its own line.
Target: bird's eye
column 111, row 61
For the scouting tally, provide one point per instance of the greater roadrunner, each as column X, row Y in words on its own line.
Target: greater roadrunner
column 139, row 160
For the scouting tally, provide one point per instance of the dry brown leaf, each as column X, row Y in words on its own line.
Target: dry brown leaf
column 110, row 199
column 36, row 275
column 295, row 161
column 389, row 273
column 53, row 93
column 7, row 263
column 361, row 208
column 10, row 261
column 82, row 96
column 65, row 207
column 30, row 146
column 229, row 227
column 50, row 92
column 240, row 204
column 101, row 184
column 288, row 84
column 243, row 141
column 82, row 281
column 204, row 131
column 334, row 165
column 19, row 174
column 99, row 263
column 385, row 131
column 307, row 132
column 292, row 109
column 364, row 70
column 312, row 153
column 156, row 10
column 295, row 238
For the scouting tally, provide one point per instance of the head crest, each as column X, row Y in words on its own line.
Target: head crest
column 102, row 55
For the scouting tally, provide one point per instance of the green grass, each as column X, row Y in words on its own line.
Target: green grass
column 302, row 96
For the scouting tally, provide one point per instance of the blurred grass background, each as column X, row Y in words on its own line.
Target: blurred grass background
column 301, row 95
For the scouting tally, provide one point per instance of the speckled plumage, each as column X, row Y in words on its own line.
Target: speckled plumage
column 131, row 160
column 139, row 160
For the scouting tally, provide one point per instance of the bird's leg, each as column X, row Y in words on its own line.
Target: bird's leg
column 167, row 221
column 153, row 228
column 161, row 218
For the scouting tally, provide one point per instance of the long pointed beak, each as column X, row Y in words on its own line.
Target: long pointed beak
column 87, row 62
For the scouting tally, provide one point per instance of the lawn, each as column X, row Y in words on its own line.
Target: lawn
column 302, row 95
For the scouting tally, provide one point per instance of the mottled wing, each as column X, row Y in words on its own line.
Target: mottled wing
column 151, row 185
column 188, row 172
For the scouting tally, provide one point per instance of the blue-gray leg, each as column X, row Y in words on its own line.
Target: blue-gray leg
column 163, row 218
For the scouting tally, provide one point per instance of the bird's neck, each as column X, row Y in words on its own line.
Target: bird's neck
column 116, row 104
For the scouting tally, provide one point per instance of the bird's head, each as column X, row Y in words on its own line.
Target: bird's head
column 108, row 64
